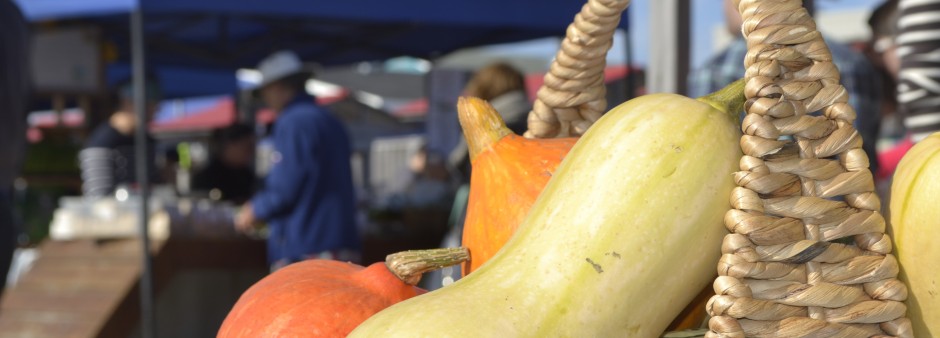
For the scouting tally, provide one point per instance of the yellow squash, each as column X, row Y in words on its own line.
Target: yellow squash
column 625, row 234
column 915, row 226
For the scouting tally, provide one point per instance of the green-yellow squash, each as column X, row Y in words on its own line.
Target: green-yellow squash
column 915, row 225
column 625, row 234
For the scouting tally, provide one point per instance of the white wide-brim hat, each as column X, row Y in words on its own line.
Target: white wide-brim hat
column 280, row 65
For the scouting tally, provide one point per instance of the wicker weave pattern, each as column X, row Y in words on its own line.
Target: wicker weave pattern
column 573, row 95
column 780, row 274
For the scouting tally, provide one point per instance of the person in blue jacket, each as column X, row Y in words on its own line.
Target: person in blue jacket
column 307, row 199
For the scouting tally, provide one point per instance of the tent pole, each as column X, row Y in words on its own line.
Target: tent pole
column 669, row 50
column 148, row 328
column 628, row 57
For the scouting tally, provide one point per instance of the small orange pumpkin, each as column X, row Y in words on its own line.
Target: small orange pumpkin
column 508, row 173
column 327, row 298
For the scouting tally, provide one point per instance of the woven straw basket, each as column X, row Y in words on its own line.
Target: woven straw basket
column 808, row 255
column 573, row 95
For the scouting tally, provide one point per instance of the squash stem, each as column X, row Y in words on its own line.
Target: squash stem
column 410, row 265
column 729, row 99
column 482, row 126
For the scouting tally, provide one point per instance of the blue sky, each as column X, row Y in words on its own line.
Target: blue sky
column 705, row 15
column 708, row 13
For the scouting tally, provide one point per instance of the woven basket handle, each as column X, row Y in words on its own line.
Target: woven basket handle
column 794, row 198
column 573, row 95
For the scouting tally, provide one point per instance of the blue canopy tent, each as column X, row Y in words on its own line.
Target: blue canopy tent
column 237, row 33
column 180, row 82
column 224, row 35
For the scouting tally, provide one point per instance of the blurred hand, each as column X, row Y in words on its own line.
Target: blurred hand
column 245, row 220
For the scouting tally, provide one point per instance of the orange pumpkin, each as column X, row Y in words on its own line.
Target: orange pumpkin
column 327, row 298
column 508, row 173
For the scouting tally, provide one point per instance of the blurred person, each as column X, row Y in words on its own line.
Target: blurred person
column 307, row 200
column 14, row 95
column 881, row 49
column 108, row 159
column 883, row 23
column 858, row 77
column 231, row 166
column 429, row 182
column 503, row 87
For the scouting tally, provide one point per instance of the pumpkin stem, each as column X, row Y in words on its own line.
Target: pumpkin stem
column 410, row 265
column 481, row 123
column 729, row 99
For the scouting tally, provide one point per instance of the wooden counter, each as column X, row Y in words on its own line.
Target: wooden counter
column 89, row 288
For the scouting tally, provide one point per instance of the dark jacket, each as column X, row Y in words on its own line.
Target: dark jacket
column 235, row 184
column 308, row 198
column 14, row 98
column 14, row 90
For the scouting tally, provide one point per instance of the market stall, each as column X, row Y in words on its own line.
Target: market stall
column 226, row 35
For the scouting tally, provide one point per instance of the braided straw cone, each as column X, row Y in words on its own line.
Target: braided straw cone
column 573, row 95
column 785, row 271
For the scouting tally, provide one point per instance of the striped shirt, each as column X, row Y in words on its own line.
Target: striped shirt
column 919, row 77
column 108, row 160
